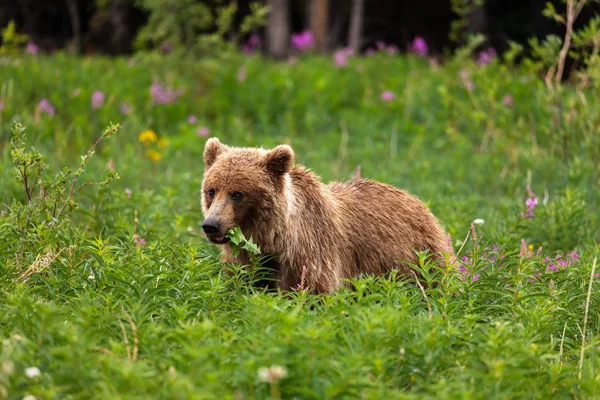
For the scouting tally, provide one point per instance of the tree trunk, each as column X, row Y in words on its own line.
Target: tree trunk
column 278, row 28
column 319, row 22
column 477, row 20
column 356, row 23
column 75, row 24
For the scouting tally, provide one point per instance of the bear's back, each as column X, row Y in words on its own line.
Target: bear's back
column 383, row 223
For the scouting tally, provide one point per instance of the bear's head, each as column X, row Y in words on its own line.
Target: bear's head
column 242, row 186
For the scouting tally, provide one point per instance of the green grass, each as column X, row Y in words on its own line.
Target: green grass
column 102, row 314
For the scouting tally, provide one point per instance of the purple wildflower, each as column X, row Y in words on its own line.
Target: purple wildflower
column 531, row 202
column 485, row 57
column 139, row 241
column 97, row 99
column 128, row 192
column 475, row 277
column 508, row 100
column 302, row 41
column 124, row 108
column 32, row 48
column 387, row 95
column 525, row 252
column 341, row 57
column 252, row 44
column 192, row 119
column 380, row 44
column 419, row 46
column 370, row 51
column 46, row 107
column 203, row 131
column 161, row 94
column 561, row 263
column 466, row 80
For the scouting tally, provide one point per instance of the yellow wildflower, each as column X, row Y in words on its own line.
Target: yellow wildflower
column 162, row 143
column 148, row 136
column 153, row 155
column 530, row 247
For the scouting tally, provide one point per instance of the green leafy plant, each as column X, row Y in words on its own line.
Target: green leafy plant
column 239, row 241
column 12, row 42
column 190, row 27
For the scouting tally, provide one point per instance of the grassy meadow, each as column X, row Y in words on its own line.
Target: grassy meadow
column 111, row 290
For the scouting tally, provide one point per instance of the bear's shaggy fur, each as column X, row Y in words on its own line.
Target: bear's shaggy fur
column 332, row 232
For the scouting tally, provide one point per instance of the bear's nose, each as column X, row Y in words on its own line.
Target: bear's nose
column 210, row 227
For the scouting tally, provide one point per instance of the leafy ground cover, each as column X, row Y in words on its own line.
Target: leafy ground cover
column 110, row 290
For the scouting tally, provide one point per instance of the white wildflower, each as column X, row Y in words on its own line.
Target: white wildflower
column 272, row 374
column 479, row 221
column 30, row 397
column 32, row 372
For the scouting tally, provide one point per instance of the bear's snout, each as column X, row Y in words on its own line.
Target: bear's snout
column 213, row 230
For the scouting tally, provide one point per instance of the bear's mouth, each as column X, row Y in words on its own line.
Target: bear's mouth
column 218, row 239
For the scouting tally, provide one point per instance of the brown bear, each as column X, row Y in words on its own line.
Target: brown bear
column 317, row 234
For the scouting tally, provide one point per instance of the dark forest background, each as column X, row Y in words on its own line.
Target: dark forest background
column 110, row 26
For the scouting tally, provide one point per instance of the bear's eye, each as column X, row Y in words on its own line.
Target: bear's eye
column 210, row 193
column 237, row 196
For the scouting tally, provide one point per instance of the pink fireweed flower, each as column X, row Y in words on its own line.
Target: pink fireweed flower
column 559, row 262
column 525, row 252
column 508, row 100
column 241, row 75
column 469, row 85
column 486, row 56
column 419, row 46
column 203, row 131
column 97, row 99
column 124, row 108
column 139, row 241
column 32, row 48
column 161, row 94
column 387, row 95
column 252, row 44
column 192, row 119
column 531, row 202
column 46, row 107
column 302, row 41
column 340, row 57
column 466, row 80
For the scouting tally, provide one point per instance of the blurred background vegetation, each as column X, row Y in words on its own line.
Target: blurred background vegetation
column 122, row 26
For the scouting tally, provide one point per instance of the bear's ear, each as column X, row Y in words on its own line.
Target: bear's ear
column 212, row 150
column 279, row 160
